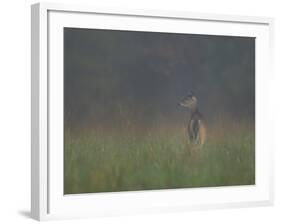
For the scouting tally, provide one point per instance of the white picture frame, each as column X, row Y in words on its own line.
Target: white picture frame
column 47, row 199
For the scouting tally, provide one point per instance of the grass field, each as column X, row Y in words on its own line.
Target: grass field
column 102, row 160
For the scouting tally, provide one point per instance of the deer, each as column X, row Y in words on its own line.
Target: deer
column 196, row 128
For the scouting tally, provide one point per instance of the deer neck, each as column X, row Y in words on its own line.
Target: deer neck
column 194, row 110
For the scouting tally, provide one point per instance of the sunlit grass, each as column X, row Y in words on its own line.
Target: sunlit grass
column 160, row 158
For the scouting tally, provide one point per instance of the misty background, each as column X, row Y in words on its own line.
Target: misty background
column 116, row 78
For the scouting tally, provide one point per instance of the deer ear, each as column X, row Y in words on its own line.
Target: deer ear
column 193, row 98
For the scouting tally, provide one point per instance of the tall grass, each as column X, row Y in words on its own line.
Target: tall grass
column 159, row 158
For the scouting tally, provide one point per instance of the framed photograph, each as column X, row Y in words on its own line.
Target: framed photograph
column 139, row 111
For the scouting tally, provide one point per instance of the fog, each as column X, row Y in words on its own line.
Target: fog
column 112, row 77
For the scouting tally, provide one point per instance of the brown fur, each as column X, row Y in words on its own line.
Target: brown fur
column 197, row 128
